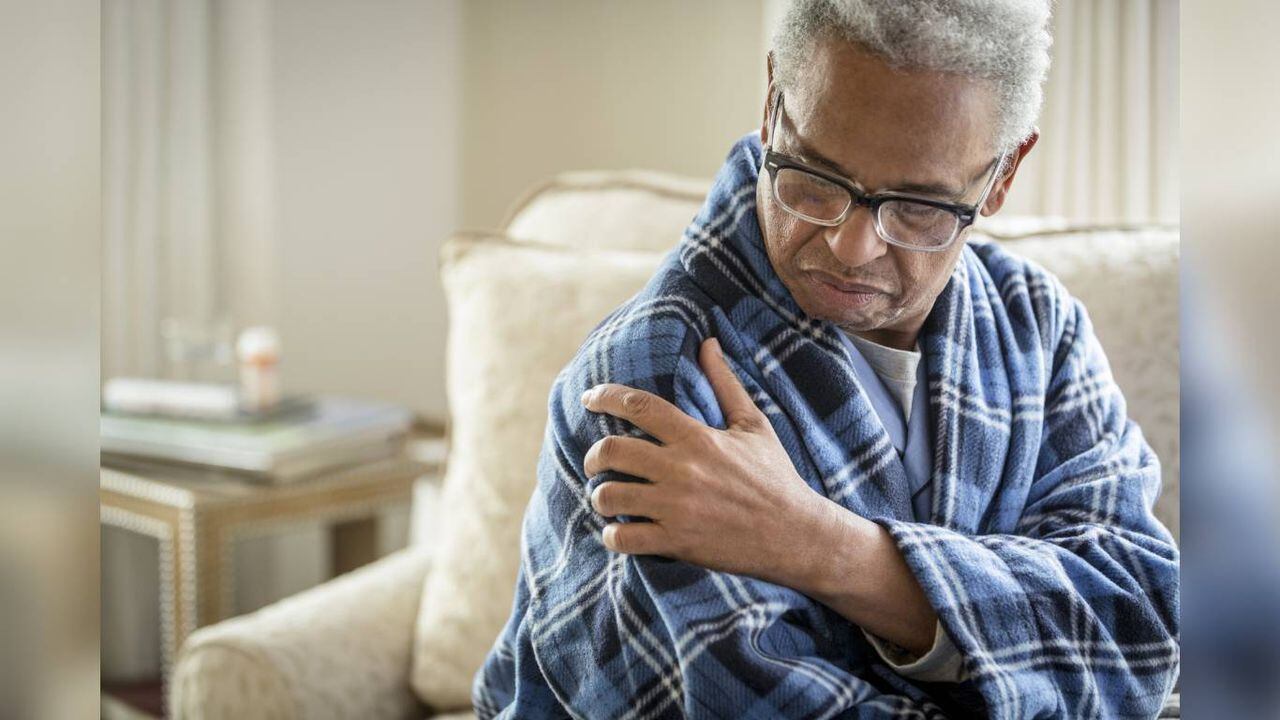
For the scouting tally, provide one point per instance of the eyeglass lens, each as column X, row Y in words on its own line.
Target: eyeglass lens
column 904, row 222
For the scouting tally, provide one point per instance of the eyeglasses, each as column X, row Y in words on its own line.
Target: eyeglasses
column 823, row 198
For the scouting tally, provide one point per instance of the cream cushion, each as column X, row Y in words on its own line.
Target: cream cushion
column 517, row 314
column 626, row 210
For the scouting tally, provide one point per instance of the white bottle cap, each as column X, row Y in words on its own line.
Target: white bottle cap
column 258, row 344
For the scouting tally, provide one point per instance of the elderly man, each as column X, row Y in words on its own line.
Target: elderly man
column 835, row 460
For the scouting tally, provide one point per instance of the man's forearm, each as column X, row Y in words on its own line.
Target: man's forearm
column 861, row 574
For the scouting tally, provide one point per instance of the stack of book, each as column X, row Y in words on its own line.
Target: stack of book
column 300, row 439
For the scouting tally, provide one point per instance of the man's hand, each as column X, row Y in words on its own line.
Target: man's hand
column 728, row 500
column 731, row 500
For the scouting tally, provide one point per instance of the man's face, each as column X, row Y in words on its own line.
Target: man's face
column 924, row 133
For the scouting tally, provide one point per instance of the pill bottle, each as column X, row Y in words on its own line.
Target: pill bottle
column 258, row 355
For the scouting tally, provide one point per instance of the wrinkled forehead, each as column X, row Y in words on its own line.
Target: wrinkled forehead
column 884, row 127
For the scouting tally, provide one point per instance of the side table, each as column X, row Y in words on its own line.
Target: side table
column 197, row 515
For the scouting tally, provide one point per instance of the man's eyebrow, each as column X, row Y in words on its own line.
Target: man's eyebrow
column 939, row 190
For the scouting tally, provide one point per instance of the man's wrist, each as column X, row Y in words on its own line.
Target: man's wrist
column 834, row 553
column 859, row 572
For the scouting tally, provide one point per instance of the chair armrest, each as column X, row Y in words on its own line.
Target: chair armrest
column 341, row 649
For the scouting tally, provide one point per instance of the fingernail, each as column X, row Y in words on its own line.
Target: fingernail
column 586, row 396
column 716, row 343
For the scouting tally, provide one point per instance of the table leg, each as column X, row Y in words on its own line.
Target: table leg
column 355, row 543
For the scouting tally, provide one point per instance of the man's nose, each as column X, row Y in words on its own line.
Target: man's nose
column 855, row 241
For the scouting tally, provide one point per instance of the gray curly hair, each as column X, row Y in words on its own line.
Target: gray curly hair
column 1005, row 42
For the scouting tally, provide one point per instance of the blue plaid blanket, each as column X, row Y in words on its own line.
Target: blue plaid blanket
column 1042, row 557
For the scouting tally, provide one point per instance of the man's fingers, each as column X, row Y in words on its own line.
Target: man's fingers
column 629, row 455
column 615, row 498
column 735, row 403
column 636, row 538
column 647, row 411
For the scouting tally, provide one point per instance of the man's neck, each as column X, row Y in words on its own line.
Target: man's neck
column 897, row 339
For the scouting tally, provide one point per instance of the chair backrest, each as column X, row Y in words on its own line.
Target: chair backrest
column 620, row 210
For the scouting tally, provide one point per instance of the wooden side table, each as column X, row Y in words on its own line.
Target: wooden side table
column 197, row 515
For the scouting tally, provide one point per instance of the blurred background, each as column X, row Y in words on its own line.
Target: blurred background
column 299, row 164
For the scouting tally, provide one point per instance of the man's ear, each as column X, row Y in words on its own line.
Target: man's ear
column 1001, row 190
column 768, row 99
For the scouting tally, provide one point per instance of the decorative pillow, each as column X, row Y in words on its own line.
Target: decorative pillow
column 517, row 313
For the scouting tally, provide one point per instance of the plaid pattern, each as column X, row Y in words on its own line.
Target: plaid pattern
column 1042, row 559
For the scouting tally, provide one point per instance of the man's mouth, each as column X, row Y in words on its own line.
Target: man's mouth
column 843, row 291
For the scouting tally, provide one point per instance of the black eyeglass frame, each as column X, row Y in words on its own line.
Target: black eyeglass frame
column 965, row 214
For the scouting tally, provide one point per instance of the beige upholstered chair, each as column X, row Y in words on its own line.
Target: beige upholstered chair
column 403, row 637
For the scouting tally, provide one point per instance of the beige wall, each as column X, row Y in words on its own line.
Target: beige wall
column 366, row 156
column 583, row 84
column 397, row 123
